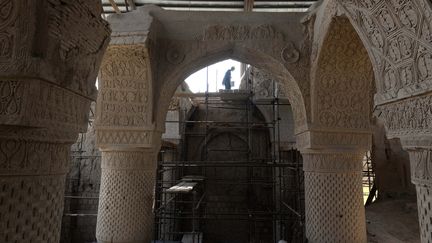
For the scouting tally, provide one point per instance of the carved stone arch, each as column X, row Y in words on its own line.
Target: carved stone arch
column 398, row 37
column 170, row 79
column 342, row 81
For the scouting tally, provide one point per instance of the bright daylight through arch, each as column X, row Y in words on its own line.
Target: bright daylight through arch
column 197, row 81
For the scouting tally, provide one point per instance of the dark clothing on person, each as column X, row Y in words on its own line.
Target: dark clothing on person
column 227, row 79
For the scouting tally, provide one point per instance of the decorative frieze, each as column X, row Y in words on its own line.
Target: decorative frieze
column 36, row 103
column 336, row 162
column 408, row 117
column 241, row 33
column 129, row 160
column 26, row 157
column 125, row 137
column 125, row 88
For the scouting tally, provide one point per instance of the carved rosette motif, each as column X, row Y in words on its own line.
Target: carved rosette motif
column 290, row 54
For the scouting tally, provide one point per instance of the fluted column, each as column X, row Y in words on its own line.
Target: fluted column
column 126, row 196
column 334, row 196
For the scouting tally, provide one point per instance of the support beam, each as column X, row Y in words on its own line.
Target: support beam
column 115, row 7
column 248, row 5
column 132, row 4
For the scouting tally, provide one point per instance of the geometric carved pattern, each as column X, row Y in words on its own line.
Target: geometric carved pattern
column 131, row 137
column 343, row 79
column 343, row 162
column 424, row 201
column 31, row 209
column 398, row 35
column 334, row 199
column 334, row 207
column 126, row 197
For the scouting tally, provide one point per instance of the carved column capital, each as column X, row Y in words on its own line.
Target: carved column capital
column 46, row 111
column 421, row 165
column 124, row 105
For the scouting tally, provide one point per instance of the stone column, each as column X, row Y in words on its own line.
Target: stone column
column 126, row 196
column 125, row 133
column 40, row 121
column 50, row 52
column 32, row 183
column 334, row 196
column 332, row 164
column 421, row 176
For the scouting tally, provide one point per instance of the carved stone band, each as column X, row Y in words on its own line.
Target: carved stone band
column 421, row 165
column 128, row 160
column 122, row 138
column 332, row 162
column 21, row 157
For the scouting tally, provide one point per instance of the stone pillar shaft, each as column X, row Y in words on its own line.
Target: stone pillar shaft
column 126, row 197
column 32, row 183
column 334, row 197
column 421, row 177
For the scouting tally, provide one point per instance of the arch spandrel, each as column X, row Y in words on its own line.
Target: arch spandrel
column 341, row 88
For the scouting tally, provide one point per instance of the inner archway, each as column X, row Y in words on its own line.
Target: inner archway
column 233, row 163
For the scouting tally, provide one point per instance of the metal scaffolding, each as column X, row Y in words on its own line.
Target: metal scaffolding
column 81, row 193
column 369, row 188
column 181, row 199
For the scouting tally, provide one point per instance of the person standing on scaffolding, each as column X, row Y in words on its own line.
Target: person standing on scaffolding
column 227, row 78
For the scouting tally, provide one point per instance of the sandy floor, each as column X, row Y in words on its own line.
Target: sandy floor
column 392, row 221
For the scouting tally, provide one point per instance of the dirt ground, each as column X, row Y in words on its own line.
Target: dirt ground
column 393, row 221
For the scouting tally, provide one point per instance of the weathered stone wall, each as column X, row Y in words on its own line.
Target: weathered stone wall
column 391, row 166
